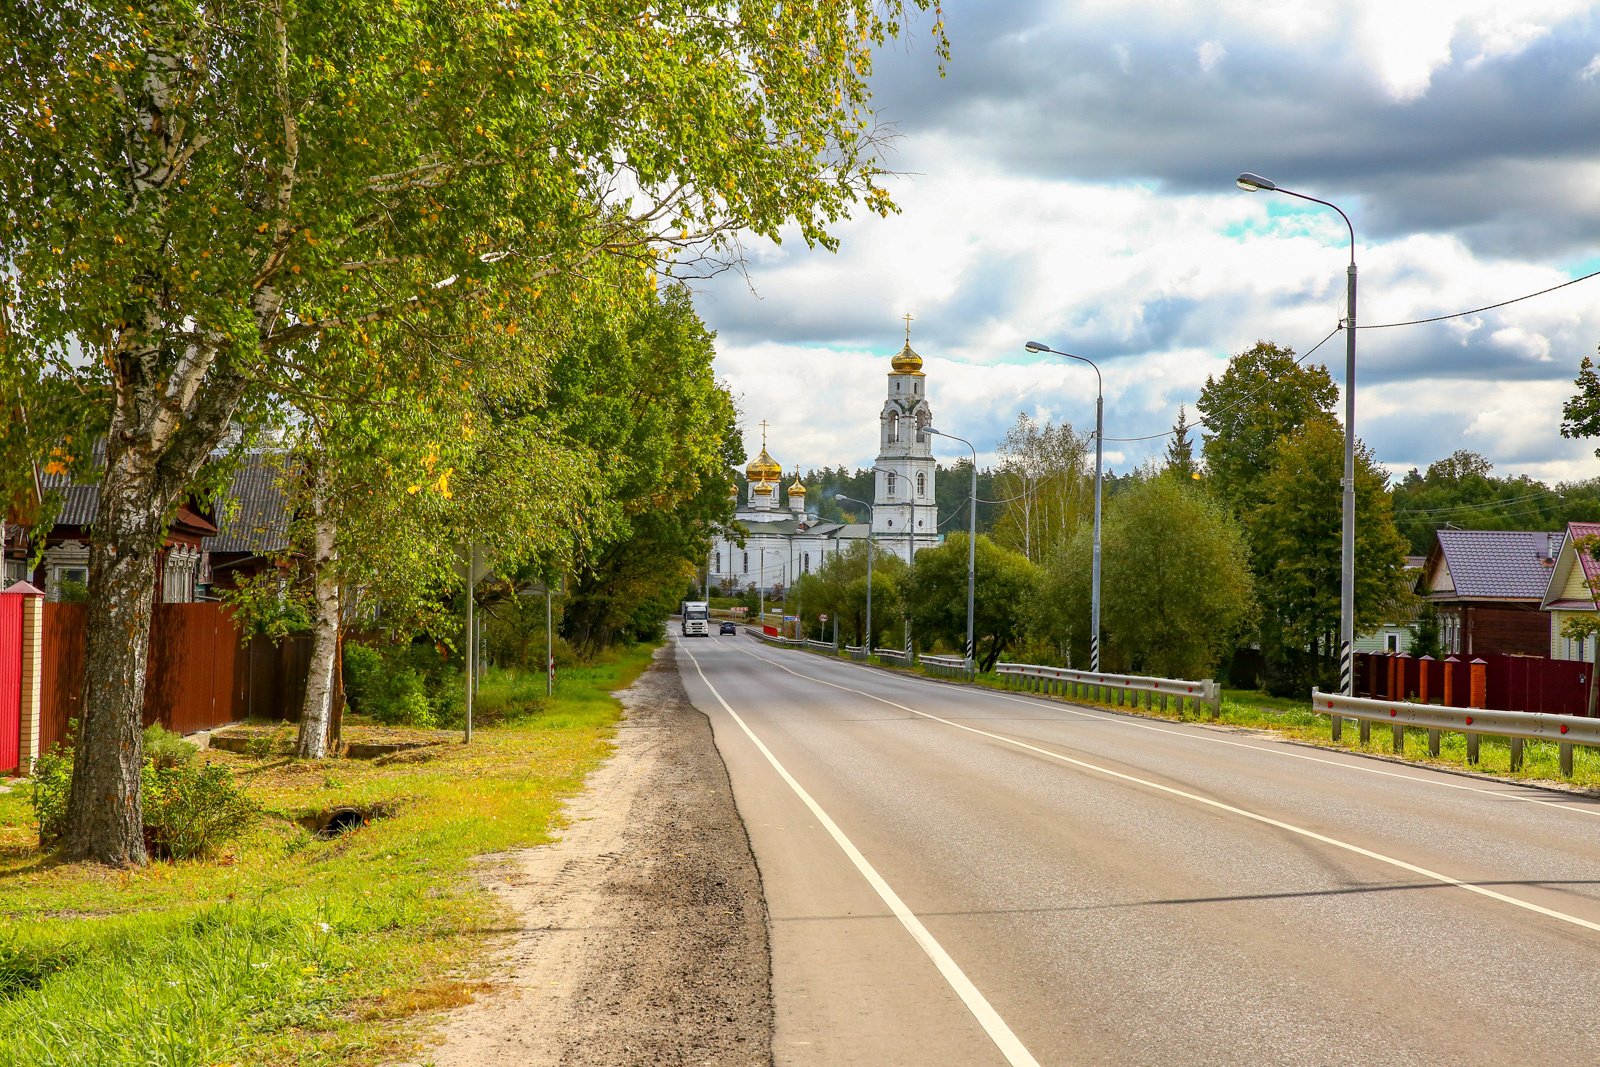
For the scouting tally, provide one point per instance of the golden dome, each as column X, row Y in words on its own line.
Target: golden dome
column 763, row 489
column 907, row 362
column 763, row 468
column 797, row 489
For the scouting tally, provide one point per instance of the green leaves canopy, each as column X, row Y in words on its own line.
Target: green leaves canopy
column 937, row 594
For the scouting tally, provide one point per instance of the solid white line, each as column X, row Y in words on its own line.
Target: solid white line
column 1392, row 861
column 1005, row 1040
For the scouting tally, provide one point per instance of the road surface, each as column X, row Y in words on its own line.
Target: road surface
column 962, row 876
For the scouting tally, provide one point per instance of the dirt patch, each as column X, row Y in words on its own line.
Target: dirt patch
column 641, row 936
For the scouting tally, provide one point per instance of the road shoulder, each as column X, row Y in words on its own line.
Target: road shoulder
column 641, row 936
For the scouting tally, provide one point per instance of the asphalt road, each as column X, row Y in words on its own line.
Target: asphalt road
column 959, row 876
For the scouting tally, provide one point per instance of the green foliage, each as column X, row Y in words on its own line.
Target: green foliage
column 51, row 788
column 838, row 589
column 937, row 596
column 264, row 605
column 1264, row 395
column 188, row 808
column 1175, row 583
column 1046, row 479
column 1461, row 490
column 404, row 685
column 165, row 750
column 1425, row 636
column 1580, row 415
column 642, row 396
column 1180, row 450
column 191, row 809
column 71, row 591
column 1296, row 536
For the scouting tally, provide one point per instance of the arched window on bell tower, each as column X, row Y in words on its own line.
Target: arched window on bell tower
column 889, row 482
column 922, row 483
column 894, row 427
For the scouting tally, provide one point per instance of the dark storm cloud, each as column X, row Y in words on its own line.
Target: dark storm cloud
column 1486, row 153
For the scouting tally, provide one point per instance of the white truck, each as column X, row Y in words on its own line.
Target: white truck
column 696, row 618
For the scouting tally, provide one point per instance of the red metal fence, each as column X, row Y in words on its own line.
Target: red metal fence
column 1507, row 683
column 199, row 675
column 10, row 681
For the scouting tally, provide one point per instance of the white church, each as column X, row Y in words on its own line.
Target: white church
column 783, row 540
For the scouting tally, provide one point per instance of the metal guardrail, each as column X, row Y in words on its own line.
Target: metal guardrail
column 945, row 666
column 894, row 655
column 1118, row 689
column 1518, row 726
column 821, row 646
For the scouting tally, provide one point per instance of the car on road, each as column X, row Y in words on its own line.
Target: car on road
column 727, row 628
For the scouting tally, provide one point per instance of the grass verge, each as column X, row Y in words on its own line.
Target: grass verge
column 289, row 949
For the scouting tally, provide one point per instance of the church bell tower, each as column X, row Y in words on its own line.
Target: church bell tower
column 905, row 516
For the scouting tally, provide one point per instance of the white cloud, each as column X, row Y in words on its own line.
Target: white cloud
column 1210, row 53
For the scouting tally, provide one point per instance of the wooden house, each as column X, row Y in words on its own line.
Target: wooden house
column 1488, row 587
column 1571, row 591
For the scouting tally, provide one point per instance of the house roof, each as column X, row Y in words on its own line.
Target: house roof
column 255, row 516
column 1495, row 564
column 1560, row 585
column 80, row 497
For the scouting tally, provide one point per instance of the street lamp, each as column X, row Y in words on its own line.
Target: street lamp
column 1099, row 438
column 972, row 545
column 1254, row 183
column 863, row 503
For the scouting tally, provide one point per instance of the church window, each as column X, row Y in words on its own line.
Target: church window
column 719, row 561
column 894, row 427
column 922, row 479
column 747, row 563
column 889, row 481
column 891, row 523
column 808, row 563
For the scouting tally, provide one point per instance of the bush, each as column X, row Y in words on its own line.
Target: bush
column 163, row 748
column 404, row 685
column 52, row 786
column 188, row 811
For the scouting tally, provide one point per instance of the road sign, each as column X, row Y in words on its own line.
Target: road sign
column 822, row 618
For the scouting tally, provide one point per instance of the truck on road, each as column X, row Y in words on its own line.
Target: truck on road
column 696, row 618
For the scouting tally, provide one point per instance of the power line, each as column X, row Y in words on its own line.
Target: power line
column 1474, row 311
column 1236, row 402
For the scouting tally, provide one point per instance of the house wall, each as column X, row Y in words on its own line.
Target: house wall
column 1379, row 640
column 1565, row 647
column 1507, row 630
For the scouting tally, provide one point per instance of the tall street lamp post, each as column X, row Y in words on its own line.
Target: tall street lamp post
column 1099, row 439
column 972, row 545
column 863, row 503
column 1347, row 552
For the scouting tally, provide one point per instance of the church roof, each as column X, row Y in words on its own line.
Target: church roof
column 907, row 362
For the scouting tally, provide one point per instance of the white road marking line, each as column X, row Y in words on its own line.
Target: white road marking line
column 1267, row 820
column 1355, row 765
column 1010, row 1046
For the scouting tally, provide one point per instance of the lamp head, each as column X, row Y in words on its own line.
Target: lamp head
column 930, row 429
column 1255, row 183
column 1036, row 346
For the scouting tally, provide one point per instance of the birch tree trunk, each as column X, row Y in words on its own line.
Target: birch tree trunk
column 316, row 712
column 104, row 816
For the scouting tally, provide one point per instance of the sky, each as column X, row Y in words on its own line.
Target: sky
column 1071, row 180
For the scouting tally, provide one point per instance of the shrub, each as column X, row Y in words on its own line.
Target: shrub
column 163, row 748
column 52, row 785
column 189, row 810
column 404, row 685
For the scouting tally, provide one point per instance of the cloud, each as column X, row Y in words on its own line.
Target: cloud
column 1070, row 181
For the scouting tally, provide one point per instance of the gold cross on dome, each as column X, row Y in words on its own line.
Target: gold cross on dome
column 908, row 327
column 763, row 435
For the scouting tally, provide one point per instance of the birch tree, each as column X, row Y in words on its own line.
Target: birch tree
column 193, row 195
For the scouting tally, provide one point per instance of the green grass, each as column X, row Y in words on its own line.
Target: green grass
column 286, row 949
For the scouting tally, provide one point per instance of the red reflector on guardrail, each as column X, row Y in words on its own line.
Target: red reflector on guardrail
column 1563, row 727
column 1469, row 720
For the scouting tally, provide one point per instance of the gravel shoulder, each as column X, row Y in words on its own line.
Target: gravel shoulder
column 641, row 936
